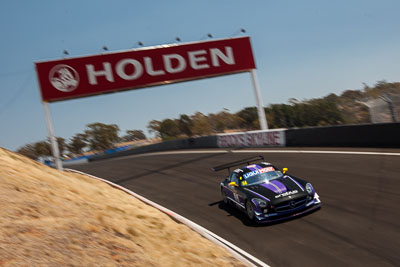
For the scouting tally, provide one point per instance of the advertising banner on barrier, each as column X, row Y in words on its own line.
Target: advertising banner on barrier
column 138, row 68
column 253, row 139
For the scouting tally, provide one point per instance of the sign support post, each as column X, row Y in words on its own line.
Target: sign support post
column 260, row 106
column 54, row 146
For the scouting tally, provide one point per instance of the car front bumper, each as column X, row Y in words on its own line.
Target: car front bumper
column 310, row 206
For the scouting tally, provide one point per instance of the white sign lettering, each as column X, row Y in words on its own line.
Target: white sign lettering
column 172, row 63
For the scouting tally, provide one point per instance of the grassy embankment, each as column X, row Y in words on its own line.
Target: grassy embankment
column 48, row 217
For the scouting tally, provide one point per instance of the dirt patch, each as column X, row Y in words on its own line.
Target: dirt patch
column 50, row 218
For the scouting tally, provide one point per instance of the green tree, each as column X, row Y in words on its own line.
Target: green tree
column 224, row 120
column 249, row 118
column 29, row 151
column 77, row 144
column 185, row 125
column 134, row 135
column 169, row 129
column 43, row 149
column 278, row 116
column 154, row 126
column 101, row 136
column 201, row 125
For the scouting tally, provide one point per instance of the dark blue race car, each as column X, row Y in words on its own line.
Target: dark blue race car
column 265, row 193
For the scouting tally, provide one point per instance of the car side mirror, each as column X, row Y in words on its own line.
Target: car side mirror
column 233, row 184
column 284, row 170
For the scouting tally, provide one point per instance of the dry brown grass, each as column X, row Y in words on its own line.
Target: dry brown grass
column 53, row 218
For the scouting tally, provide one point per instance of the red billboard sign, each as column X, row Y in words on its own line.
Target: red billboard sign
column 133, row 69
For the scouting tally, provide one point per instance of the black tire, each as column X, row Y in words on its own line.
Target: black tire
column 250, row 211
column 224, row 197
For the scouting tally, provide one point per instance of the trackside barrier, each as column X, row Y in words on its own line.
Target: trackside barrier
column 198, row 142
column 235, row 251
column 362, row 135
column 75, row 162
column 117, row 149
column 268, row 138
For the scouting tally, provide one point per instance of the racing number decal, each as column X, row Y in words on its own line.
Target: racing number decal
column 236, row 196
column 244, row 183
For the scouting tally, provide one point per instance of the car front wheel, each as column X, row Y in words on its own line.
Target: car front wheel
column 224, row 197
column 250, row 210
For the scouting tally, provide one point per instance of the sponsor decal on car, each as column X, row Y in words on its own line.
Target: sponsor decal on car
column 288, row 193
column 266, row 169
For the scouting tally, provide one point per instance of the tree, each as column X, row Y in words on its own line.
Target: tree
column 331, row 98
column 154, row 127
column 43, row 149
column 249, row 118
column 134, row 135
column 169, row 129
column 29, row 151
column 185, row 125
column 201, row 125
column 314, row 112
column 217, row 122
column 101, row 136
column 77, row 144
column 224, row 120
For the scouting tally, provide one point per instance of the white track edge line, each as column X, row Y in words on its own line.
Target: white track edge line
column 234, row 250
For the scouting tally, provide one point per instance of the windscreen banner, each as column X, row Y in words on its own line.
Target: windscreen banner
column 138, row 68
column 269, row 138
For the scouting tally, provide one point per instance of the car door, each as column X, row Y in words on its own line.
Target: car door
column 237, row 191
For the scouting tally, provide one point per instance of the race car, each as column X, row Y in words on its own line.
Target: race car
column 266, row 193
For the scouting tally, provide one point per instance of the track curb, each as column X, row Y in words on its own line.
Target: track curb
column 235, row 251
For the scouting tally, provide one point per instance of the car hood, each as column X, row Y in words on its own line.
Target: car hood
column 276, row 189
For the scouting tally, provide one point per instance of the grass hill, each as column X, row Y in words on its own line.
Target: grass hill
column 53, row 218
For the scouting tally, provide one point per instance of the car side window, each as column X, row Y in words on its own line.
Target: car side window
column 234, row 178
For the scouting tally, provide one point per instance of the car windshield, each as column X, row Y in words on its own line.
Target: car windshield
column 262, row 177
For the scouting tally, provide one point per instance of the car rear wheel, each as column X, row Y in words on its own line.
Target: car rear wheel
column 250, row 210
column 224, row 197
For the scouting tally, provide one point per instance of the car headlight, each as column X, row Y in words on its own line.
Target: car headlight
column 309, row 188
column 261, row 203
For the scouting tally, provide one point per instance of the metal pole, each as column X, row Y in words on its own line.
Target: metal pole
column 53, row 141
column 260, row 106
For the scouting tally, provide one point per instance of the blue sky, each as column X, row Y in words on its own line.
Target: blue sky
column 303, row 49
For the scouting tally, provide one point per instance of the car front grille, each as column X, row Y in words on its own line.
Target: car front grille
column 290, row 205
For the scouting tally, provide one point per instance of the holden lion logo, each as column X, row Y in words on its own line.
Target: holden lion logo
column 64, row 78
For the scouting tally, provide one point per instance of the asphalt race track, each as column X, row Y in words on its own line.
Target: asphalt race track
column 358, row 225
